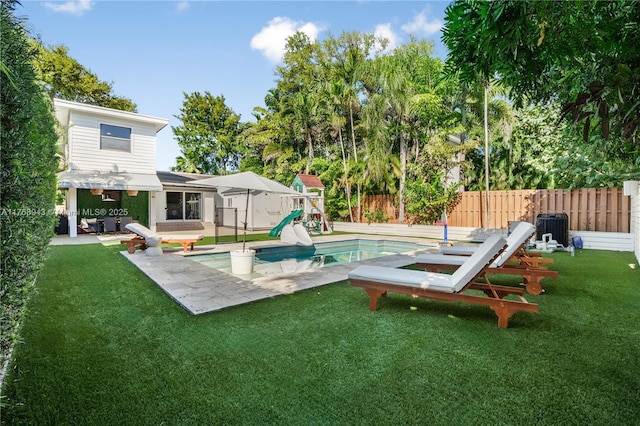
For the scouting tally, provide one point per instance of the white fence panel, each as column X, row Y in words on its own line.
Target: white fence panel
column 616, row 241
column 635, row 223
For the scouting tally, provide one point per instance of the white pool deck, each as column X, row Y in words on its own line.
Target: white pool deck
column 200, row 289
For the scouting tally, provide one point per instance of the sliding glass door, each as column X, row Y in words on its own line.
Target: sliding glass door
column 184, row 205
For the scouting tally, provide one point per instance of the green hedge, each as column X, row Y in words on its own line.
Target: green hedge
column 90, row 206
column 137, row 207
column 28, row 180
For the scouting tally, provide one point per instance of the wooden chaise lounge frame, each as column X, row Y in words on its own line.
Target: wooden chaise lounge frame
column 514, row 260
column 378, row 280
column 142, row 232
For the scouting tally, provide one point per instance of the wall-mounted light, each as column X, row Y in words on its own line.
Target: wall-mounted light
column 105, row 197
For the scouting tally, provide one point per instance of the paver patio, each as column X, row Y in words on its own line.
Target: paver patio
column 200, row 289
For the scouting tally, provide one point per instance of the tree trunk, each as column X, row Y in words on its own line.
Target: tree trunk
column 309, row 140
column 347, row 186
column 403, row 174
column 486, row 154
column 355, row 157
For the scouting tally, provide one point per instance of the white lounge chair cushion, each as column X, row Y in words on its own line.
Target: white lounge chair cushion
column 440, row 259
column 141, row 230
column 477, row 261
column 145, row 232
column 403, row 277
column 515, row 240
column 180, row 237
column 461, row 250
column 438, row 282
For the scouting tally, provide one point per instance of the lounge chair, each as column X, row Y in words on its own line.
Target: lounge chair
column 518, row 238
column 514, row 261
column 378, row 280
column 142, row 233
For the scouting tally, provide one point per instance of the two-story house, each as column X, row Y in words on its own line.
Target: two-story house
column 110, row 171
column 109, row 159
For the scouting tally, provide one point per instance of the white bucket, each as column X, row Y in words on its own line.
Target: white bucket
column 242, row 261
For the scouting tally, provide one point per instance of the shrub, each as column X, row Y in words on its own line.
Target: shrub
column 376, row 216
column 427, row 201
column 28, row 181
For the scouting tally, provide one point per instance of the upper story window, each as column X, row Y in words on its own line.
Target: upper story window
column 115, row 137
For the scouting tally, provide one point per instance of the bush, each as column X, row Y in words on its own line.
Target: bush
column 28, row 181
column 427, row 201
column 376, row 216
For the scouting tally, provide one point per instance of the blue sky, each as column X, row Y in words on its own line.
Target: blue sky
column 154, row 51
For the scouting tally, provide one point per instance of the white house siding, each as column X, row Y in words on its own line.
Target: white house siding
column 266, row 210
column 209, row 207
column 85, row 152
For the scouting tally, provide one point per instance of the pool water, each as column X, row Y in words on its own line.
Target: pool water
column 277, row 260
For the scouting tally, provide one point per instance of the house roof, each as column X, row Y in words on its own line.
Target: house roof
column 311, row 181
column 63, row 109
column 181, row 179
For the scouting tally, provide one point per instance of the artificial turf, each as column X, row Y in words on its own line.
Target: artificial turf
column 102, row 344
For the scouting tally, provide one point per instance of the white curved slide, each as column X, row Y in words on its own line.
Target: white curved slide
column 295, row 234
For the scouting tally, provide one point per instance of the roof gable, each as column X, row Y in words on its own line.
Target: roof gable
column 64, row 107
column 310, row 181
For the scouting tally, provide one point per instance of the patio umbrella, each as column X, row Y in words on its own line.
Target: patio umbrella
column 248, row 181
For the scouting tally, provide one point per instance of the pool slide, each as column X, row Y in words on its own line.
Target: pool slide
column 295, row 234
column 278, row 228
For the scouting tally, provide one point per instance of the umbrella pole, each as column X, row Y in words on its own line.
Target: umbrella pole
column 246, row 211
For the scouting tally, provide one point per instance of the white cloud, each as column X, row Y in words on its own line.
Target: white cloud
column 421, row 26
column 385, row 31
column 272, row 39
column 183, row 5
column 73, row 7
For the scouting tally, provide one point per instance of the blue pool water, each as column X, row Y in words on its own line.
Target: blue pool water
column 277, row 260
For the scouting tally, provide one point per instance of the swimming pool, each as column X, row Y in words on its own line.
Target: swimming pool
column 288, row 259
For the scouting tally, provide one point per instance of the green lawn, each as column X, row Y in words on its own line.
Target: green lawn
column 102, row 344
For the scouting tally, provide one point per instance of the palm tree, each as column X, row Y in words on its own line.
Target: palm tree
column 335, row 94
column 346, row 58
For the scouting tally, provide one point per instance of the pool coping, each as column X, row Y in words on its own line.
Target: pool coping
column 200, row 289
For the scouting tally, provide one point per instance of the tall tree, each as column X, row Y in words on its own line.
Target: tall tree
column 299, row 86
column 65, row 78
column 404, row 101
column 583, row 54
column 346, row 57
column 208, row 136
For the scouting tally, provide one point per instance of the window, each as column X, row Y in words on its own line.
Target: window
column 192, row 206
column 115, row 137
column 184, row 205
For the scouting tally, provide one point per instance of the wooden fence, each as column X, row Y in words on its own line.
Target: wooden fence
column 588, row 209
